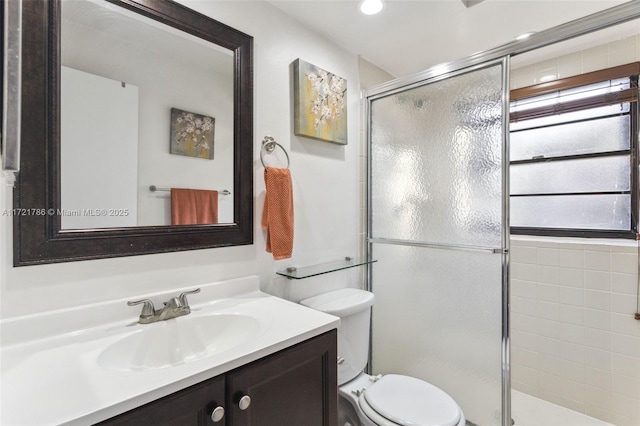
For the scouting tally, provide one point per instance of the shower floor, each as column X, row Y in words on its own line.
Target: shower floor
column 527, row 410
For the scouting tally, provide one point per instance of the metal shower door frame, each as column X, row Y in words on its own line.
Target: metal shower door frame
column 431, row 77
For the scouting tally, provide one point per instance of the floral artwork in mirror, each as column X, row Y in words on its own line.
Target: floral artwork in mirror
column 191, row 134
column 320, row 103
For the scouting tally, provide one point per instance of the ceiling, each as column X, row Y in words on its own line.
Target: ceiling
column 103, row 27
column 409, row 36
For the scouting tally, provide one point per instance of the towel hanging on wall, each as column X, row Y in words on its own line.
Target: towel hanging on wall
column 193, row 206
column 277, row 215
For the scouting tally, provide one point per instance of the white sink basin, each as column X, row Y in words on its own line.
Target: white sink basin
column 178, row 341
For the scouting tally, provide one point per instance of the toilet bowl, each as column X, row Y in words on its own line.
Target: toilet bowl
column 389, row 400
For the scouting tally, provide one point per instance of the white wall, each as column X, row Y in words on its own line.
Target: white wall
column 325, row 180
column 99, row 155
column 574, row 340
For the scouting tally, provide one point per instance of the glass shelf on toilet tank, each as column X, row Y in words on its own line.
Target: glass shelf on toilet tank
column 298, row 273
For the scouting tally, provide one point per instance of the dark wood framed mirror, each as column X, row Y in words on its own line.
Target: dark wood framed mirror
column 39, row 234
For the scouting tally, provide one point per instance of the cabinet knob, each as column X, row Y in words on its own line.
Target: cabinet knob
column 217, row 414
column 244, row 402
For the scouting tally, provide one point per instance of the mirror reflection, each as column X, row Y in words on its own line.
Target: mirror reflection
column 142, row 105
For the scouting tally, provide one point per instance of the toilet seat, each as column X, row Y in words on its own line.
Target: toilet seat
column 403, row 400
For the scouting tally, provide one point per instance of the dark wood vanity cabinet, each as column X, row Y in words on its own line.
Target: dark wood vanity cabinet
column 191, row 406
column 294, row 387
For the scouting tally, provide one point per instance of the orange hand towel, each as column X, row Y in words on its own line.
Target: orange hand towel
column 193, row 206
column 277, row 215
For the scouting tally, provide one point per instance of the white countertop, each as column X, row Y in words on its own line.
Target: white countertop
column 50, row 372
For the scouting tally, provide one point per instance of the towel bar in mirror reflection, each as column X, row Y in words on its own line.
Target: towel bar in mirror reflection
column 154, row 188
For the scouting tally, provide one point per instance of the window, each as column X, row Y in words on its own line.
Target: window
column 573, row 162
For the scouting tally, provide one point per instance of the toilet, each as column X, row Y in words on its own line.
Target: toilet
column 389, row 400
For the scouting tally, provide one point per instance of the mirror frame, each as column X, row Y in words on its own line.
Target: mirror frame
column 37, row 235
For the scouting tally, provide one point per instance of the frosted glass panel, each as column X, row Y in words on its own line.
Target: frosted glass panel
column 606, row 134
column 572, row 212
column 437, row 316
column 436, row 158
column 437, row 177
column 583, row 175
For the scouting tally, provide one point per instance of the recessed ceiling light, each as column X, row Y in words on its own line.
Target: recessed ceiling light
column 371, row 7
column 524, row 36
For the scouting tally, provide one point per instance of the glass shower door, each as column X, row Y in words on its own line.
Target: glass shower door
column 438, row 228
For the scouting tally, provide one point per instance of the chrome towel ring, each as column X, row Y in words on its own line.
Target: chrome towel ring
column 269, row 145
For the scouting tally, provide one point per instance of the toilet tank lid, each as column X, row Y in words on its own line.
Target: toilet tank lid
column 341, row 303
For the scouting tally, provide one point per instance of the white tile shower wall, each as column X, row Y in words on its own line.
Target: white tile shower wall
column 608, row 55
column 574, row 339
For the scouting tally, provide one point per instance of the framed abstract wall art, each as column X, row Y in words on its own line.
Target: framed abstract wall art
column 192, row 134
column 319, row 103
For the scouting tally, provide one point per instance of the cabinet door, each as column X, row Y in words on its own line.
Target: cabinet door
column 294, row 387
column 189, row 407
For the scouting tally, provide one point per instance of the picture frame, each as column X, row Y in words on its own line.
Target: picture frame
column 192, row 134
column 319, row 103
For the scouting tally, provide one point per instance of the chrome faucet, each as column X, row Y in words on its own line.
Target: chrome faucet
column 175, row 307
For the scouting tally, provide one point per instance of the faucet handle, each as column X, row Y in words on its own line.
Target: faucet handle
column 183, row 297
column 148, row 310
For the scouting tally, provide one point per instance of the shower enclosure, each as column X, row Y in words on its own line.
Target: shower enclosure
column 438, row 221
column 438, row 226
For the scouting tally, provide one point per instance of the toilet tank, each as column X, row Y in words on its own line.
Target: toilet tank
column 353, row 307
